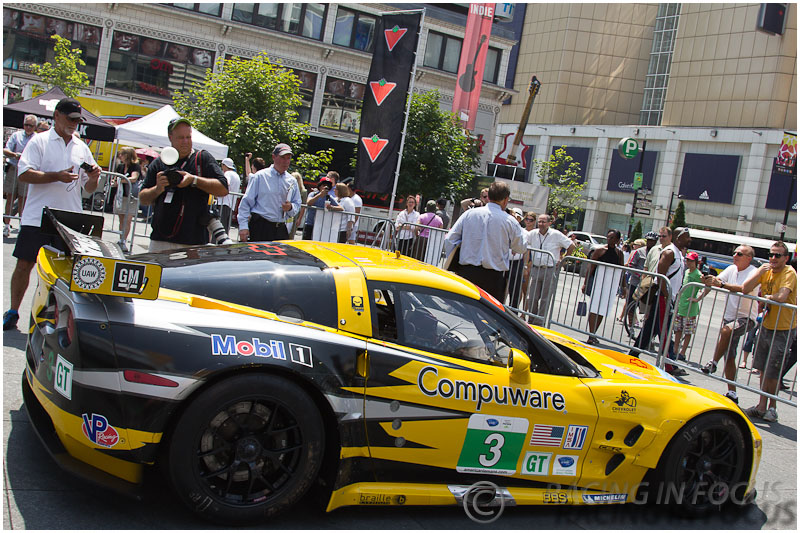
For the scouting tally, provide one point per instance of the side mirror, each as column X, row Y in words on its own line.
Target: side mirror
column 519, row 367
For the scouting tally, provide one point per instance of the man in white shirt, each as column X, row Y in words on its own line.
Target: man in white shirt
column 51, row 166
column 542, row 267
column 227, row 203
column 488, row 235
column 739, row 316
column 358, row 203
column 12, row 187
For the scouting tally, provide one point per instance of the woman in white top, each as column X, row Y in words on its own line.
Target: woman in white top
column 403, row 224
column 346, row 223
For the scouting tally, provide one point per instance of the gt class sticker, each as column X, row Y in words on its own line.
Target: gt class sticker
column 536, row 464
column 481, row 393
column 99, row 431
column 63, row 379
column 230, row 345
column 88, row 273
column 492, row 444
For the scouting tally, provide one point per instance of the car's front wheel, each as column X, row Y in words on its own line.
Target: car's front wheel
column 246, row 449
column 704, row 465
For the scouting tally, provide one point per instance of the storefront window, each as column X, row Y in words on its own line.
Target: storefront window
column 207, row 8
column 296, row 18
column 146, row 65
column 341, row 105
column 308, row 82
column 26, row 40
column 492, row 65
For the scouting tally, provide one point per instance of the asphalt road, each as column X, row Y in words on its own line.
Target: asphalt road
column 39, row 495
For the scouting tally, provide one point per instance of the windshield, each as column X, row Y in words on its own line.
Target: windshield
column 599, row 239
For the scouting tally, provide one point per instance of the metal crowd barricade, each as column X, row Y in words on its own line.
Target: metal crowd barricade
column 106, row 178
column 15, row 197
column 227, row 218
column 706, row 339
column 530, row 284
column 571, row 308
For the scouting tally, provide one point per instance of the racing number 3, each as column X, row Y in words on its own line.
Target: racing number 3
column 492, row 444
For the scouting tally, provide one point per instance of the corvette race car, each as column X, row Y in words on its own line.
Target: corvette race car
column 251, row 372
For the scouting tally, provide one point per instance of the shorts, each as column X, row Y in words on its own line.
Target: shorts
column 29, row 240
column 8, row 183
column 771, row 349
column 739, row 327
column 686, row 324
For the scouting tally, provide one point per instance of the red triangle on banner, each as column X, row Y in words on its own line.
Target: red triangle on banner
column 381, row 89
column 394, row 35
column 374, row 146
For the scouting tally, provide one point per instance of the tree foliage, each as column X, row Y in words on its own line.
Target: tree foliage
column 64, row 71
column 251, row 105
column 439, row 157
column 636, row 232
column 560, row 174
column 679, row 217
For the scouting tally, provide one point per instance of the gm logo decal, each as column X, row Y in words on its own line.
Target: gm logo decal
column 129, row 278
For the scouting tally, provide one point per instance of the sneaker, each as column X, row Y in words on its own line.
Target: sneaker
column 123, row 246
column 6, row 230
column 755, row 372
column 681, row 357
column 709, row 367
column 10, row 319
column 678, row 371
column 771, row 415
column 784, row 386
column 753, row 412
column 593, row 341
column 731, row 395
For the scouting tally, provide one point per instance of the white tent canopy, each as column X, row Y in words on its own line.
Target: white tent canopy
column 151, row 130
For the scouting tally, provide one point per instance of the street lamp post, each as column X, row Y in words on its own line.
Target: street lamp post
column 669, row 209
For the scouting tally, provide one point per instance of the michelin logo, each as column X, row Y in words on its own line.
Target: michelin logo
column 605, row 498
column 255, row 347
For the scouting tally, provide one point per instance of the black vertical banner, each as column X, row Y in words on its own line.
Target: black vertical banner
column 383, row 110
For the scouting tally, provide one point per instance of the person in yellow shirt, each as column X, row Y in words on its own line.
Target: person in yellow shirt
column 779, row 284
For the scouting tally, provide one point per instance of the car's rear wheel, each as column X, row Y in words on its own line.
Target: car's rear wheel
column 246, row 449
column 704, row 465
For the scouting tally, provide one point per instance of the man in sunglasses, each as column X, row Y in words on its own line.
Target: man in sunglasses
column 12, row 187
column 779, row 284
column 51, row 165
column 738, row 318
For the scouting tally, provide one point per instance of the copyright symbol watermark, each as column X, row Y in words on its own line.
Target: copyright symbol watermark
column 481, row 502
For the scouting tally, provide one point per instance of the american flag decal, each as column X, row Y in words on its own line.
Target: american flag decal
column 546, row 435
column 576, row 435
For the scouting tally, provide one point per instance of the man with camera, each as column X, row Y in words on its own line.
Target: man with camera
column 179, row 192
column 55, row 165
column 272, row 196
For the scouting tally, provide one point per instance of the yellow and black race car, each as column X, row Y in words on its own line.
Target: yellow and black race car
column 252, row 371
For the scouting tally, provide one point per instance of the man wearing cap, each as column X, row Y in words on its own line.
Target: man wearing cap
column 227, row 203
column 272, row 196
column 542, row 266
column 51, row 166
column 181, row 212
column 12, row 186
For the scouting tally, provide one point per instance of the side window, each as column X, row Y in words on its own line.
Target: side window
column 443, row 323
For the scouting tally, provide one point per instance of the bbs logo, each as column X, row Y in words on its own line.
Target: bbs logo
column 128, row 278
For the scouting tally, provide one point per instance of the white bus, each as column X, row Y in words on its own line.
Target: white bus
column 718, row 247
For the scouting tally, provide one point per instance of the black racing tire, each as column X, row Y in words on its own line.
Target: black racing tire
column 704, row 465
column 246, row 449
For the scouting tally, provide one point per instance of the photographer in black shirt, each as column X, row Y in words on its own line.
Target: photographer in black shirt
column 181, row 214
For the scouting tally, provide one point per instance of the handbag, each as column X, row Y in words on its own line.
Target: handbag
column 581, row 311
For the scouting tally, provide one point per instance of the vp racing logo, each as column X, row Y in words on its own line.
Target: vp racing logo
column 97, row 429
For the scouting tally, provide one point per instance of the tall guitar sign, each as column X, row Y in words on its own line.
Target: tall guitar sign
column 472, row 62
column 533, row 90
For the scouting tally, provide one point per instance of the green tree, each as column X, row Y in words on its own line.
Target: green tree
column 560, row 174
column 64, row 71
column 679, row 217
column 636, row 232
column 251, row 105
column 439, row 157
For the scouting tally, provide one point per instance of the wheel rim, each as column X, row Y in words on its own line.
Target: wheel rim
column 710, row 466
column 249, row 451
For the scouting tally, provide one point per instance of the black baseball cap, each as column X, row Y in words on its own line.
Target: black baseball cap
column 175, row 121
column 282, row 149
column 70, row 107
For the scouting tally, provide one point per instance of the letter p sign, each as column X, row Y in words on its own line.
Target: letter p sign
column 628, row 147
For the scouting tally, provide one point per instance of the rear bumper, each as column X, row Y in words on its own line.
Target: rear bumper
column 45, row 429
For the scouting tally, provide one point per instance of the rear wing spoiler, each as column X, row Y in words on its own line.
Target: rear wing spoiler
column 99, row 267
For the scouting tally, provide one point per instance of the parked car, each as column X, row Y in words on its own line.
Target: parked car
column 250, row 372
column 588, row 241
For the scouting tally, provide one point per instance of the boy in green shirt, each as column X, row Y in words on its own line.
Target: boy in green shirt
column 688, row 307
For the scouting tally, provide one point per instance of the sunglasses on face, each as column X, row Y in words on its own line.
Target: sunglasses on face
column 738, row 253
column 29, row 125
column 530, row 220
column 771, row 255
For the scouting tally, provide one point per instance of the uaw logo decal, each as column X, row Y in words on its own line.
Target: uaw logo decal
column 128, row 278
column 99, row 431
column 88, row 273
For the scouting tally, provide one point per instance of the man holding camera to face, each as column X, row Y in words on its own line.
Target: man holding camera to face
column 56, row 165
column 179, row 192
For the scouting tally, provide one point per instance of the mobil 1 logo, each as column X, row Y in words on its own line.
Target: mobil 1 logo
column 129, row 278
